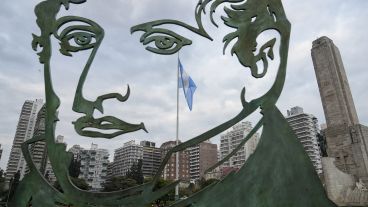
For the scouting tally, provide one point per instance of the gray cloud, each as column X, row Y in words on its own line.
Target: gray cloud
column 123, row 60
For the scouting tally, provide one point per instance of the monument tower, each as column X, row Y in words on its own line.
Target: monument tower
column 346, row 138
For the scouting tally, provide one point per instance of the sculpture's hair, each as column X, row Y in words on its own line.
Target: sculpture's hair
column 239, row 6
column 247, row 10
column 46, row 13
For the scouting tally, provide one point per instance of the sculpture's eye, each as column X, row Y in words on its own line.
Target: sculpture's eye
column 81, row 38
column 76, row 41
column 165, row 45
column 165, row 42
column 77, row 34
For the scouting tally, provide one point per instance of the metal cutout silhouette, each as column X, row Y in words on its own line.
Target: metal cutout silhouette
column 278, row 174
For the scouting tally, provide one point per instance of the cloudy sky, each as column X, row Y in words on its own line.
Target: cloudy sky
column 122, row 60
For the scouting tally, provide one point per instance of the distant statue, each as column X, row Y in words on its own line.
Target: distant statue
column 361, row 186
column 278, row 174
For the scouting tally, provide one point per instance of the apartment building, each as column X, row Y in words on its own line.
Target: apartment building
column 94, row 162
column 170, row 168
column 305, row 126
column 232, row 138
column 201, row 158
column 24, row 131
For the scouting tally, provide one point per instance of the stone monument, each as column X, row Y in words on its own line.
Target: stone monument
column 346, row 138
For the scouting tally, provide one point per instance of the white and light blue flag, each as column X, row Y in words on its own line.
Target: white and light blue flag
column 187, row 83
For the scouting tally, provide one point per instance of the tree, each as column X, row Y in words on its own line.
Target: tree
column 166, row 198
column 118, row 183
column 3, row 191
column 74, row 168
column 74, row 172
column 133, row 178
column 192, row 188
column 2, row 180
column 204, row 183
column 14, row 182
column 135, row 172
column 322, row 144
column 78, row 182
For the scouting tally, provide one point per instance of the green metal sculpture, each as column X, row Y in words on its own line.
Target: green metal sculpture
column 278, row 174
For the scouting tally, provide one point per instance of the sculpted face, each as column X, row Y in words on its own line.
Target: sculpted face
column 76, row 34
column 279, row 156
column 249, row 19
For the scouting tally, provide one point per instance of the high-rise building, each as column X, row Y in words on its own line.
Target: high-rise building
column 345, row 137
column 125, row 157
column 201, row 158
column 305, row 127
column 110, row 168
column 170, row 168
column 231, row 139
column 151, row 159
column 38, row 149
column 25, row 127
column 94, row 164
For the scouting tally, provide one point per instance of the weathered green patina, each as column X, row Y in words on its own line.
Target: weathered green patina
column 278, row 174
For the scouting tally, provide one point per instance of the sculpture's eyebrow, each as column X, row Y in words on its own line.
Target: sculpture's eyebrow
column 83, row 23
column 145, row 27
column 167, row 42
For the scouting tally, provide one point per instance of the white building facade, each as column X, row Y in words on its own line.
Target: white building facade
column 125, row 157
column 231, row 139
column 305, row 126
column 24, row 131
column 94, row 162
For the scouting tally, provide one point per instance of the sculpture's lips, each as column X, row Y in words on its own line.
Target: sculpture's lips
column 90, row 127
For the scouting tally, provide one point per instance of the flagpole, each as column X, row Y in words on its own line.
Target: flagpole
column 177, row 133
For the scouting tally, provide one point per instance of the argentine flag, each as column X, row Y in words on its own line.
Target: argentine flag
column 188, row 85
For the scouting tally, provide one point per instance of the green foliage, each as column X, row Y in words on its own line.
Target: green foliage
column 135, row 172
column 204, row 183
column 192, row 187
column 74, row 171
column 13, row 184
column 168, row 198
column 3, row 191
column 322, row 144
column 118, row 183
column 78, row 182
column 74, row 168
column 134, row 177
column 185, row 192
